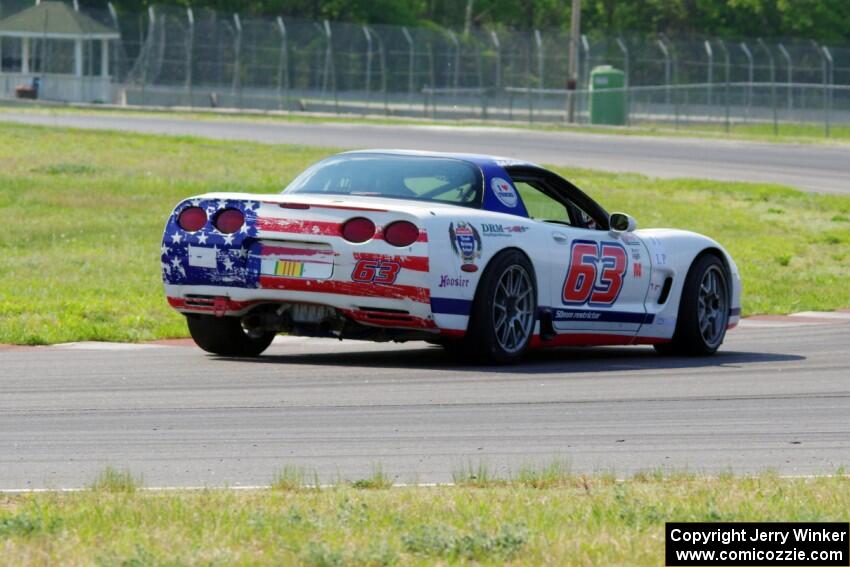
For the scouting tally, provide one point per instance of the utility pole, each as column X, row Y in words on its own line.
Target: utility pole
column 572, row 80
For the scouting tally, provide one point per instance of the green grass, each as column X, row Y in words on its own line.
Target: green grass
column 579, row 520
column 797, row 133
column 84, row 212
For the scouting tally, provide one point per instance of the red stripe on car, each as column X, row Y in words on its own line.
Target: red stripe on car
column 324, row 228
column 420, row 294
column 299, row 226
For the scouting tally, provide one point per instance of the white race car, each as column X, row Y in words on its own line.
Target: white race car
column 489, row 257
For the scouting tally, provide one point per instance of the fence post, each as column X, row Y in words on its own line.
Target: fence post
column 710, row 78
column 585, row 46
column 146, row 49
column 411, row 54
column 666, row 54
column 282, row 66
column 789, row 67
column 826, row 66
column 622, row 45
column 330, row 69
column 237, row 61
column 772, row 85
column 456, row 75
column 498, row 46
column 368, row 66
column 727, row 65
column 750, row 76
column 541, row 64
column 116, row 72
column 190, row 17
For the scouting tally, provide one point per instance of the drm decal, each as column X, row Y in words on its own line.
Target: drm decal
column 504, row 191
column 595, row 274
column 502, row 229
column 450, row 281
column 466, row 242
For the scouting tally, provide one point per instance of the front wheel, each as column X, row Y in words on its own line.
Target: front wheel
column 226, row 337
column 503, row 313
column 703, row 310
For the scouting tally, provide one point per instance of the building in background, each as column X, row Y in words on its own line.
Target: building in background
column 61, row 53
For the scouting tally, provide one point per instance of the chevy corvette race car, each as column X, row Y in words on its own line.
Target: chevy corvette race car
column 486, row 256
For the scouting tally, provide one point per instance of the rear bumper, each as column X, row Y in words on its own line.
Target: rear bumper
column 375, row 309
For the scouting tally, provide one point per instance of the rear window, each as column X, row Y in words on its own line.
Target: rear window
column 441, row 180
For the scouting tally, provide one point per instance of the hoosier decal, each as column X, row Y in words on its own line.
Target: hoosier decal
column 466, row 242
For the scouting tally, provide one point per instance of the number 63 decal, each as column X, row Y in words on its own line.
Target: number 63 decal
column 595, row 274
column 375, row 271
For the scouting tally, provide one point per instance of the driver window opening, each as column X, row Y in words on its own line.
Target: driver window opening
column 544, row 208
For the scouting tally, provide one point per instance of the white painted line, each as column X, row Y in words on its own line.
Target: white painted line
column 100, row 345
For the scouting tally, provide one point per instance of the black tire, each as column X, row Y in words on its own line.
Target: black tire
column 225, row 336
column 702, row 320
column 481, row 342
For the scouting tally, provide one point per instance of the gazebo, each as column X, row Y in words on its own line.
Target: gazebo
column 68, row 52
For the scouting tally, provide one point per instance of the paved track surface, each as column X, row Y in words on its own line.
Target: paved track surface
column 776, row 397
column 808, row 167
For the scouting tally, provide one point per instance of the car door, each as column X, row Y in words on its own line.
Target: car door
column 598, row 278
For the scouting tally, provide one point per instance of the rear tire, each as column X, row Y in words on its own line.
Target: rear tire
column 504, row 311
column 703, row 310
column 225, row 336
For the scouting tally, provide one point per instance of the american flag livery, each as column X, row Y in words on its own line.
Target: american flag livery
column 290, row 262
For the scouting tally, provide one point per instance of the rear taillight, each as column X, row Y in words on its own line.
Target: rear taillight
column 192, row 219
column 229, row 221
column 358, row 230
column 401, row 233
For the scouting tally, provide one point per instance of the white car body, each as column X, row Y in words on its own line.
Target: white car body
column 436, row 279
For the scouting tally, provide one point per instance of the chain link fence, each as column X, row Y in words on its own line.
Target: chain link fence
column 182, row 57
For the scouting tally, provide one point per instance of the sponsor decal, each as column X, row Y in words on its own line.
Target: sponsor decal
column 451, row 281
column 637, row 270
column 504, row 191
column 502, row 229
column 466, row 242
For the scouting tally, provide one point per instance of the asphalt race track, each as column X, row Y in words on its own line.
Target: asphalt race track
column 809, row 167
column 776, row 397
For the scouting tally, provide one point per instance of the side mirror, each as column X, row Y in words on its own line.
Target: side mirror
column 621, row 222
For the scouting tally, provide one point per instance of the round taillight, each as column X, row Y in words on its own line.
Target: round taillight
column 358, row 230
column 192, row 219
column 229, row 221
column 401, row 233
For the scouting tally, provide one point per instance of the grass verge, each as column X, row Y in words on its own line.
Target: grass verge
column 84, row 211
column 578, row 520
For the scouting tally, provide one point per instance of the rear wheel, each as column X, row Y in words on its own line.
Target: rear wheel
column 703, row 310
column 503, row 313
column 226, row 337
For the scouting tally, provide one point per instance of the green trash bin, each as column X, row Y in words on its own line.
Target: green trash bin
column 607, row 106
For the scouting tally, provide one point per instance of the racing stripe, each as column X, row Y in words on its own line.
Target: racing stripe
column 325, row 228
column 420, row 294
column 298, row 226
column 415, row 263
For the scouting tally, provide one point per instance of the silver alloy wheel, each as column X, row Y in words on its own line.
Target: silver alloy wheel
column 712, row 306
column 513, row 309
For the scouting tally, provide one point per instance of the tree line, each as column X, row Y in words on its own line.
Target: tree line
column 824, row 20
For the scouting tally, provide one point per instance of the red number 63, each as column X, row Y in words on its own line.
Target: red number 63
column 375, row 271
column 596, row 273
